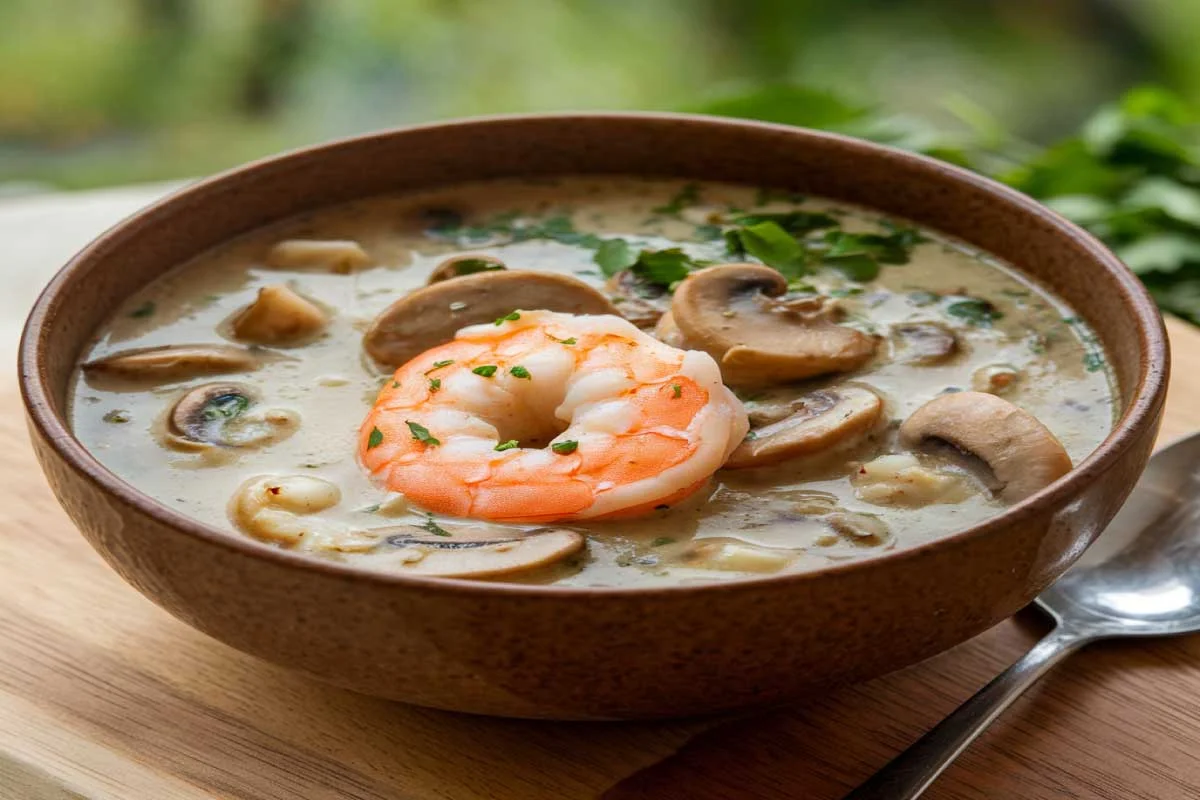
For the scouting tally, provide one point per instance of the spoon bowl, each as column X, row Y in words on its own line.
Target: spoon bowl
column 1142, row 576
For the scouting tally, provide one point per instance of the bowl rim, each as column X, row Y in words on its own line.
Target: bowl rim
column 1148, row 393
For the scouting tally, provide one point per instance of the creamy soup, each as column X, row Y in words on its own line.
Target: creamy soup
column 897, row 386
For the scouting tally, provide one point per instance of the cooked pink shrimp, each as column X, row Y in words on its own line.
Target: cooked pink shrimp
column 545, row 416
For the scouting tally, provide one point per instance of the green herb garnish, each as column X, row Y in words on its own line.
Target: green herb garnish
column 676, row 390
column 614, row 255
column 117, row 416
column 146, row 309
column 435, row 384
column 509, row 445
column 564, row 448
column 771, row 245
column 431, row 526
column 661, row 540
column 520, row 372
column 509, row 317
column 375, row 437
column 687, row 196
column 419, row 432
column 470, row 266
column 664, row 268
column 487, row 370
column 974, row 311
column 438, row 365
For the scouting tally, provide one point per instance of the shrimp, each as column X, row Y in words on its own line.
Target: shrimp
column 546, row 416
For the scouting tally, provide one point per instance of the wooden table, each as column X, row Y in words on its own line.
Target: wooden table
column 103, row 695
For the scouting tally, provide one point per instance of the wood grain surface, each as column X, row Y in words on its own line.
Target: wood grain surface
column 104, row 696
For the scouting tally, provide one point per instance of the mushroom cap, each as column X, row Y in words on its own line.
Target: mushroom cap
column 729, row 311
column 1022, row 452
column 432, row 315
column 464, row 264
column 199, row 419
column 458, row 557
column 279, row 316
column 829, row 417
column 174, row 362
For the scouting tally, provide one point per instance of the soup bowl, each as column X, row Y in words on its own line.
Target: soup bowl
column 570, row 653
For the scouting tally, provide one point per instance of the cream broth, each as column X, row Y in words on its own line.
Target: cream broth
column 1012, row 338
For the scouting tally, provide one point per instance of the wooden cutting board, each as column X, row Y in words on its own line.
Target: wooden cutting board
column 103, row 695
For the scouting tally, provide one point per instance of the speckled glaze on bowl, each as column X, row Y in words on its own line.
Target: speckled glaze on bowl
column 544, row 651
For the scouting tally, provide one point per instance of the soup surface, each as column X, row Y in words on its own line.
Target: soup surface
column 216, row 433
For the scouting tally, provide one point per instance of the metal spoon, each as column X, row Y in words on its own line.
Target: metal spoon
column 1140, row 578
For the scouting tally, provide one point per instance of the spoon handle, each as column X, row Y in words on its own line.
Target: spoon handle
column 909, row 774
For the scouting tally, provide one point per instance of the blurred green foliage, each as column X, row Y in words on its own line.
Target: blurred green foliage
column 94, row 93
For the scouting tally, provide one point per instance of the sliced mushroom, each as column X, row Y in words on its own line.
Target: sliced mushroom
column 924, row 343
column 842, row 415
column 1021, row 452
column 218, row 414
column 422, row 553
column 432, row 315
column 279, row 316
column 638, row 301
column 336, row 255
column 735, row 314
column 458, row 266
column 174, row 362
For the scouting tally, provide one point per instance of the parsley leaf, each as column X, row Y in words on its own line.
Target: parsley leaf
column 509, row 445
column 511, row 316
column 565, row 448
column 663, row 267
column 419, row 432
column 797, row 223
column 773, row 246
column 520, row 372
column 143, row 311
column 486, row 371
column 375, row 437
column 689, row 195
column 974, row 311
column 614, row 255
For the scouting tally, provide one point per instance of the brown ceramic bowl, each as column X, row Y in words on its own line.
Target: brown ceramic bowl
column 546, row 651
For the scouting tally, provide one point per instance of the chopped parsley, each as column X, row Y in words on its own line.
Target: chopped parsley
column 118, row 416
column 470, row 266
column 661, row 540
column 797, row 223
column 226, row 406
column 435, row 384
column 676, row 390
column 1093, row 361
column 614, row 255
column 520, row 372
column 567, row 341
column 664, row 267
column 771, row 245
column 486, row 371
column 419, row 432
column 146, row 309
column 439, row 364
column 509, row 317
column 375, row 438
column 689, row 195
column 432, row 527
column 974, row 311
column 509, row 445
column 565, row 448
